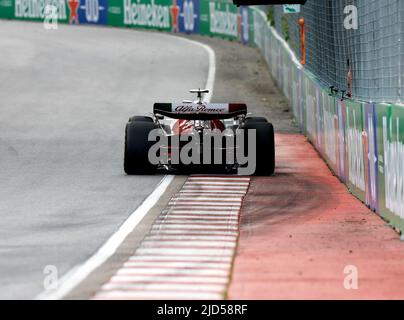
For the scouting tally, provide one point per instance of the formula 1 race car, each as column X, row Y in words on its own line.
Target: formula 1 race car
column 201, row 136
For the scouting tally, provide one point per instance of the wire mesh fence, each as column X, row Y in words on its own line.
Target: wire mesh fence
column 375, row 49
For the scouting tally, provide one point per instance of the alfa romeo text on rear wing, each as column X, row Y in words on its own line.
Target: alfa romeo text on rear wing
column 200, row 111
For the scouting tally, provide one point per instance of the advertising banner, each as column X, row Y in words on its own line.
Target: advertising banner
column 390, row 148
column 383, row 135
column 34, row 10
column 188, row 18
column 220, row 19
column 92, row 11
column 7, row 9
column 149, row 14
column 370, row 151
column 394, row 162
column 354, row 149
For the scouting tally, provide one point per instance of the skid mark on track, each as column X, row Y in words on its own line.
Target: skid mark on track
column 189, row 250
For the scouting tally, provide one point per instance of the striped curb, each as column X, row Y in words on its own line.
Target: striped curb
column 189, row 250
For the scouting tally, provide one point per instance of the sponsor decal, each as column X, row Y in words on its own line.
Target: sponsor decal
column 195, row 108
column 222, row 21
column 93, row 11
column 189, row 16
column 74, row 11
column 35, row 9
column 146, row 14
column 394, row 167
column 6, row 3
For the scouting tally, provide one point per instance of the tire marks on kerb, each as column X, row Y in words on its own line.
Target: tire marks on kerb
column 189, row 250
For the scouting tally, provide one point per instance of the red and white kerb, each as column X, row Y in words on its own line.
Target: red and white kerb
column 189, row 250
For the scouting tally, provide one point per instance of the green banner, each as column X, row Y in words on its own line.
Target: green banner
column 251, row 34
column 149, row 14
column 355, row 149
column 34, row 10
column 7, row 9
column 219, row 18
column 390, row 145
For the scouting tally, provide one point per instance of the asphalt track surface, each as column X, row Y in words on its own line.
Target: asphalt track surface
column 65, row 98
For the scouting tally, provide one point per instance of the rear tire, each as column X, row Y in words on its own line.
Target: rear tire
column 265, row 148
column 136, row 160
column 256, row 119
column 141, row 118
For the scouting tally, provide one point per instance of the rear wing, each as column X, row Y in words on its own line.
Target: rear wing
column 200, row 111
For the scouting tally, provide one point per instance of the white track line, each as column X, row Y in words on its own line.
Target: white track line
column 69, row 281
column 76, row 275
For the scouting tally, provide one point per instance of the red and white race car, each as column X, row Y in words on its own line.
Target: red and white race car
column 197, row 135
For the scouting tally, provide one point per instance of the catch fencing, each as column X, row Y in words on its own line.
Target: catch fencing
column 362, row 142
column 375, row 49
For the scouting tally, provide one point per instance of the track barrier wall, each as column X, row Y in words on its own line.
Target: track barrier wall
column 362, row 142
